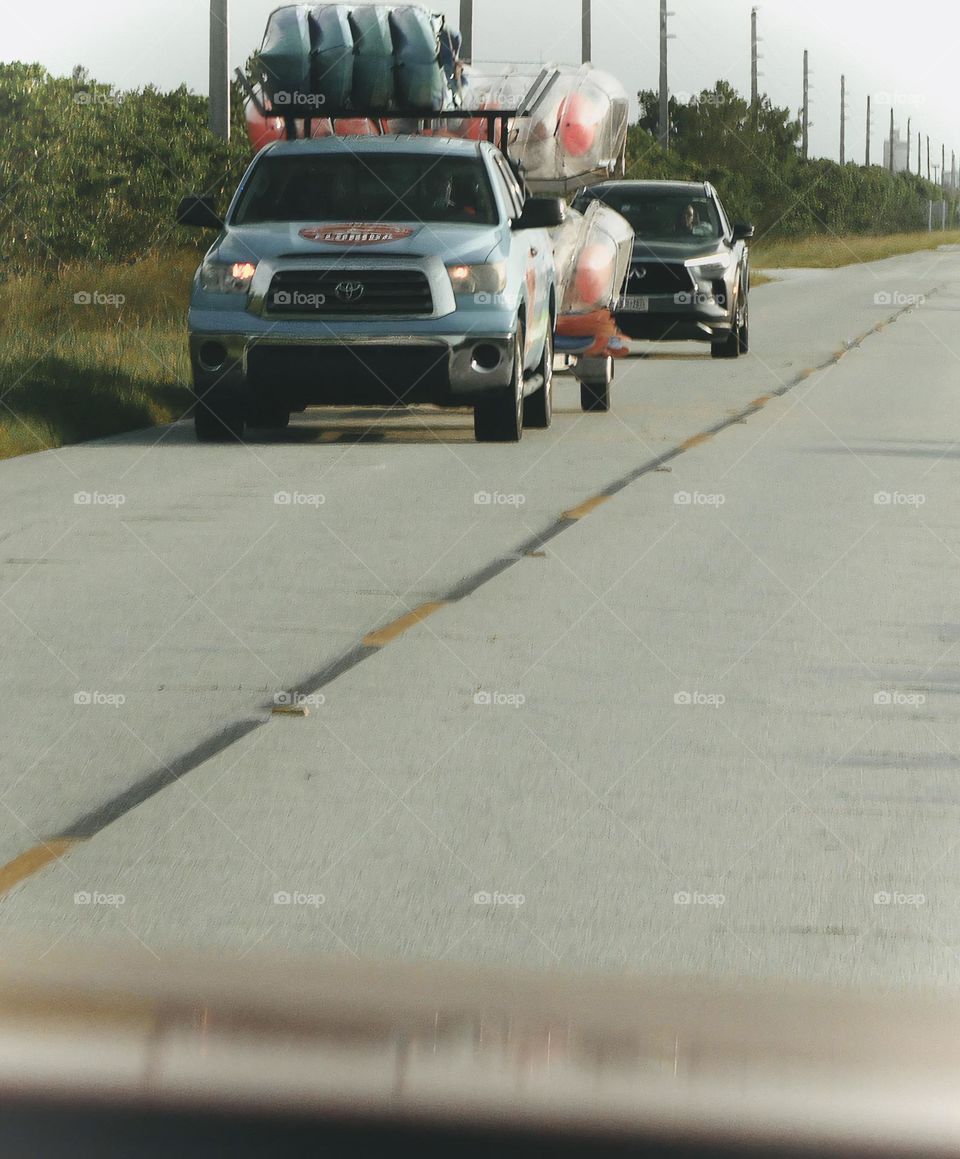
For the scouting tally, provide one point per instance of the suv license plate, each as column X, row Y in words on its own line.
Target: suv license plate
column 634, row 304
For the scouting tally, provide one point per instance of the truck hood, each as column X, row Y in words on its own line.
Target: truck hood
column 452, row 243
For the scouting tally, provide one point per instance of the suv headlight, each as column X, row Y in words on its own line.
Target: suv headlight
column 710, row 269
column 480, row 279
column 227, row 277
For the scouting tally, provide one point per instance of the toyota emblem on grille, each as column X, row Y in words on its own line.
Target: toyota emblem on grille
column 350, row 291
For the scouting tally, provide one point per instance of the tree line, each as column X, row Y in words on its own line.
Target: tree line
column 92, row 173
column 753, row 158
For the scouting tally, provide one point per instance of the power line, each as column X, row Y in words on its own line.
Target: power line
column 843, row 120
column 806, row 105
column 466, row 30
column 219, row 69
column 664, row 81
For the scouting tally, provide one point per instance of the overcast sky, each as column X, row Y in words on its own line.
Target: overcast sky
column 905, row 51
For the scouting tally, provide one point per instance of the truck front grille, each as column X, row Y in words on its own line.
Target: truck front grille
column 349, row 293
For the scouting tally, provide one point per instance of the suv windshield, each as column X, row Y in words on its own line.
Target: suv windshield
column 368, row 187
column 661, row 216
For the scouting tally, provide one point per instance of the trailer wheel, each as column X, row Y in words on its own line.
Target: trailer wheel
column 596, row 375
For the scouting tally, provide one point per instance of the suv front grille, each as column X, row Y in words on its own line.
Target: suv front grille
column 346, row 293
column 660, row 278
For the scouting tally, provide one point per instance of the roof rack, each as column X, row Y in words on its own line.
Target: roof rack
column 527, row 107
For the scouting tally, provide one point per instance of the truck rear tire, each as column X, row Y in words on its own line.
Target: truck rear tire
column 269, row 418
column 219, row 422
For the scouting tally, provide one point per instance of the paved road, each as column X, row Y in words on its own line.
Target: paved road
column 704, row 722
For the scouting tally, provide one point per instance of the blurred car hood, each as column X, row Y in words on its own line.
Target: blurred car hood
column 610, row 1055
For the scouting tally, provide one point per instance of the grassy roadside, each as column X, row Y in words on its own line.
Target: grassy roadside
column 826, row 251
column 92, row 351
column 98, row 350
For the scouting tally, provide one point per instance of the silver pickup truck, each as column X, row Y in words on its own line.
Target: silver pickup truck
column 394, row 270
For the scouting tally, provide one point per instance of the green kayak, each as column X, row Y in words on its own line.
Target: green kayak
column 285, row 54
column 373, row 63
column 421, row 83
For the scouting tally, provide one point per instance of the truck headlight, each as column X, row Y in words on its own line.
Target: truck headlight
column 227, row 277
column 480, row 279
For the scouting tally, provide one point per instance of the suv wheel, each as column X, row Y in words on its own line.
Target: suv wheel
column 745, row 329
column 538, row 407
column 732, row 346
column 500, row 420
column 217, row 421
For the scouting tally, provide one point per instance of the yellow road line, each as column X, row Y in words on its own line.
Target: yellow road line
column 391, row 631
column 32, row 861
column 585, row 508
column 695, row 441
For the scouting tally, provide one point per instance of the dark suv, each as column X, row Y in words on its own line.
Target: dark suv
column 690, row 274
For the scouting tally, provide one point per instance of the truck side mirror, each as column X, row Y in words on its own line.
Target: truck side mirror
column 198, row 211
column 541, row 213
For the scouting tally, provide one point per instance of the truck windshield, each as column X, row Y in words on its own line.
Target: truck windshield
column 369, row 187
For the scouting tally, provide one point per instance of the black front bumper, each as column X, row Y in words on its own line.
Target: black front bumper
column 671, row 327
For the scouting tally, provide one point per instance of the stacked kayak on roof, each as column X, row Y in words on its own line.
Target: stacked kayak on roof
column 319, row 59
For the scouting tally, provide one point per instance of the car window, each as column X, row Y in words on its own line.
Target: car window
column 666, row 216
column 399, row 187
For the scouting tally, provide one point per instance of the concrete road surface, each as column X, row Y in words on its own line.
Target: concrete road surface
column 673, row 689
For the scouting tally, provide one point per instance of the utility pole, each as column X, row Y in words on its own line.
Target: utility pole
column 754, row 67
column 869, row 127
column 953, row 171
column 843, row 120
column 466, row 30
column 806, row 104
column 909, row 141
column 943, row 165
column 219, row 69
column 664, row 81
column 893, row 168
column 919, row 148
column 928, row 158
column 586, row 40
